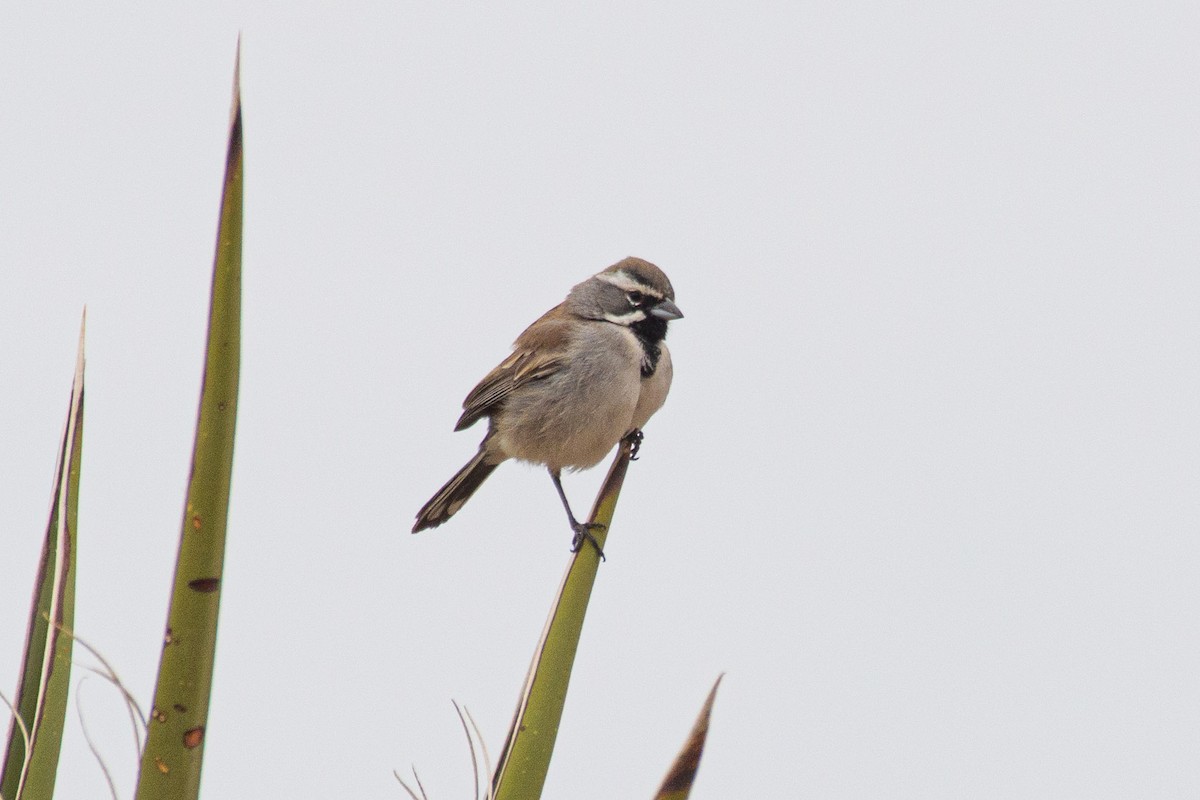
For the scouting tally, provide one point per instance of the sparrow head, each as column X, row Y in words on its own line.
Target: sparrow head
column 632, row 292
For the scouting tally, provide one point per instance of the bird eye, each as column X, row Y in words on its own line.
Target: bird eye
column 636, row 298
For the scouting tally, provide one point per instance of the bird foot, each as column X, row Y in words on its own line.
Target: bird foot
column 583, row 533
column 635, row 437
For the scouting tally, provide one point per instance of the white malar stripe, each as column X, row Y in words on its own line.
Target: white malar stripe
column 628, row 318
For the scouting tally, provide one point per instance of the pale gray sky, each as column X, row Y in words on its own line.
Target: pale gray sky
column 926, row 485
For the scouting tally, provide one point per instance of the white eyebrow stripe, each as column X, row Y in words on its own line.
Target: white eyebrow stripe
column 625, row 282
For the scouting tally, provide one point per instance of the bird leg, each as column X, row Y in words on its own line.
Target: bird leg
column 634, row 437
column 583, row 530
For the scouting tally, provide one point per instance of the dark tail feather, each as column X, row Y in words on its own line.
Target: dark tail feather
column 457, row 491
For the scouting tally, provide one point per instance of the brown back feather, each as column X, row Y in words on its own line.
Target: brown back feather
column 537, row 353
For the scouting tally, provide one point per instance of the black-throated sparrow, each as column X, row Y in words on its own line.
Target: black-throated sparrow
column 591, row 371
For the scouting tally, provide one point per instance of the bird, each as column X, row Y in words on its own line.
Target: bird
column 587, row 374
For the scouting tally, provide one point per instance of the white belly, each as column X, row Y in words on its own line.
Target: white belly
column 573, row 418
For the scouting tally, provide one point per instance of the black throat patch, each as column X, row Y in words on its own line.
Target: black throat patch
column 650, row 331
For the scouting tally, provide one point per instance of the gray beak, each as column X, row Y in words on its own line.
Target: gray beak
column 666, row 310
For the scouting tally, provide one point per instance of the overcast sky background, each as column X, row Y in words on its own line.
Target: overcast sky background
column 926, row 487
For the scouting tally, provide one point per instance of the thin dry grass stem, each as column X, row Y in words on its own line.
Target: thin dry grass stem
column 471, row 730
column 87, row 737
column 417, row 778
column 408, row 789
column 133, row 721
column 109, row 674
column 487, row 759
column 24, row 733
column 470, row 748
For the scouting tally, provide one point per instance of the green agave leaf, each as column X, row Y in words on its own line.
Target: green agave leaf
column 31, row 760
column 678, row 783
column 521, row 771
column 174, row 749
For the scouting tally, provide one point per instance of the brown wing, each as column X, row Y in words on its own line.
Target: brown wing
column 538, row 353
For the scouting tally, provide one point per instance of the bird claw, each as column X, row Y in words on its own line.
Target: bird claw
column 635, row 438
column 583, row 532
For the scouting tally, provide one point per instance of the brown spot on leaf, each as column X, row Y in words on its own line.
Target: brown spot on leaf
column 162, row 765
column 205, row 585
column 193, row 737
column 179, row 707
column 196, row 522
column 158, row 715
